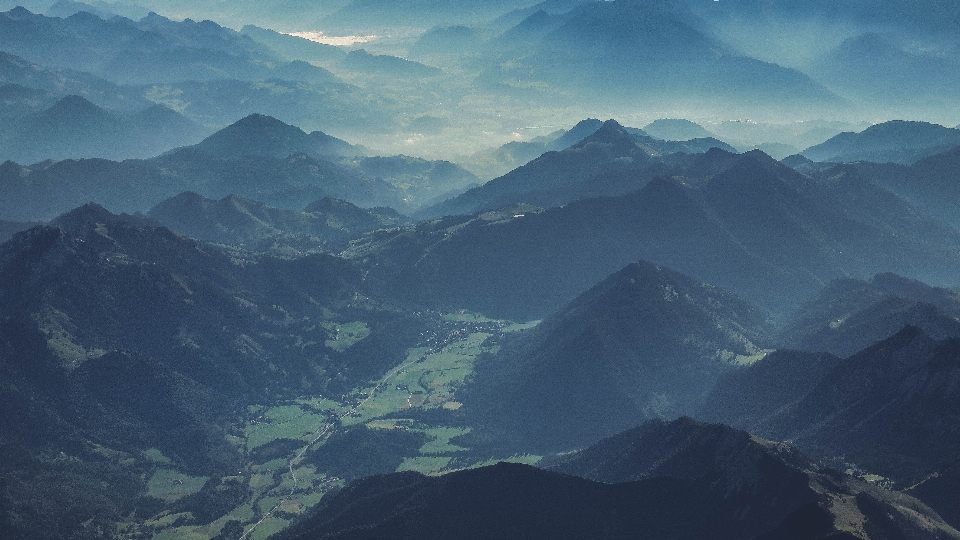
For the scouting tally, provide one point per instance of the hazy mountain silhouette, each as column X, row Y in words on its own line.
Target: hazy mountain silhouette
column 138, row 185
column 646, row 342
column 676, row 130
column 152, row 50
column 61, row 82
column 66, row 8
column 447, row 40
column 609, row 148
column 423, row 14
column 76, row 128
column 930, row 183
column 887, row 70
column 896, row 141
column 673, row 480
column 260, row 135
column 499, row 161
column 20, row 101
column 609, row 161
column 655, row 52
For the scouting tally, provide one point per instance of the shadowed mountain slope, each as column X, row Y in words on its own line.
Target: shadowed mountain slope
column 851, row 314
column 884, row 408
column 931, row 183
column 646, row 342
column 326, row 224
column 677, row 480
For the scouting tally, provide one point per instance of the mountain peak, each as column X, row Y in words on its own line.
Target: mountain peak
column 610, row 132
column 19, row 13
column 83, row 218
column 75, row 102
column 256, row 135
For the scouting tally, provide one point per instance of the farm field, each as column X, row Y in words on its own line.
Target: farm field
column 278, row 439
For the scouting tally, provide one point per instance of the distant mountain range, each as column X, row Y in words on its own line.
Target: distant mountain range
column 674, row 129
column 257, row 157
column 76, row 128
column 890, row 142
column 609, row 161
column 211, row 74
column 746, row 223
column 659, row 53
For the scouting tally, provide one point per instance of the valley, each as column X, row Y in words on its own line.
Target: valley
column 513, row 269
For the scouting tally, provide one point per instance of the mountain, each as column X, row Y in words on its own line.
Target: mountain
column 608, row 160
column 424, row 182
column 674, row 129
column 887, row 71
column 66, row 8
column 930, row 183
column 260, row 135
column 152, row 50
column 119, row 336
column 746, row 223
column 749, row 395
column 258, row 157
column 376, row 15
column 691, row 480
column 10, row 228
column 659, row 53
column 447, row 40
column 608, row 149
column 19, row 101
column 76, row 128
column 327, row 224
column 928, row 16
column 61, row 82
column 883, row 409
column 211, row 74
column 292, row 48
column 851, row 314
column 361, row 61
column 43, row 189
column 499, row 161
column 644, row 343
column 896, row 141
column 939, row 491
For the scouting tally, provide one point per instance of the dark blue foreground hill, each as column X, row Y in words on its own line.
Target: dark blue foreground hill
column 678, row 480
